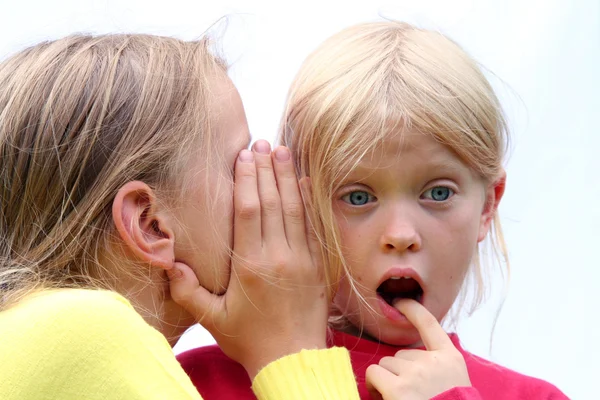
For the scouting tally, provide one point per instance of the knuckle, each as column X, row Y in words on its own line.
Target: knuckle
column 248, row 210
column 270, row 204
column 245, row 172
column 294, row 211
column 280, row 266
column 371, row 371
column 420, row 370
column 311, row 235
column 264, row 165
column 386, row 361
column 397, row 385
column 179, row 297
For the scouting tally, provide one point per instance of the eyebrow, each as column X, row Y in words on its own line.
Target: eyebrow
column 452, row 165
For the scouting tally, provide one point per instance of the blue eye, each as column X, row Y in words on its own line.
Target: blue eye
column 357, row 198
column 438, row 193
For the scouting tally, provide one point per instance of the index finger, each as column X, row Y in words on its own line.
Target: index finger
column 432, row 334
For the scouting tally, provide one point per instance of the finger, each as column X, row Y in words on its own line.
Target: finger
column 432, row 334
column 379, row 382
column 410, row 354
column 205, row 307
column 247, row 221
column 270, row 203
column 394, row 365
column 291, row 201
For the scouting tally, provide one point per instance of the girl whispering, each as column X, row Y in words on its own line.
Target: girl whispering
column 124, row 165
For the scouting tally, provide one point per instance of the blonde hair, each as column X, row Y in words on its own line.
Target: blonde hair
column 79, row 118
column 374, row 79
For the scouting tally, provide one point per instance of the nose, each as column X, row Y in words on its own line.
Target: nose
column 400, row 232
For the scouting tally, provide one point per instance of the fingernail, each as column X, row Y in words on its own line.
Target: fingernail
column 246, row 156
column 262, row 147
column 282, row 154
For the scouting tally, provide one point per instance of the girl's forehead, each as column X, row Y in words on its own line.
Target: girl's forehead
column 408, row 141
column 412, row 147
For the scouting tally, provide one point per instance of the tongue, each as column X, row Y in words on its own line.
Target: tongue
column 399, row 285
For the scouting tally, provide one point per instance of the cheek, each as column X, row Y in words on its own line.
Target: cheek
column 345, row 298
column 218, row 230
column 461, row 230
column 452, row 239
column 357, row 233
column 356, row 246
column 457, row 247
column 222, row 212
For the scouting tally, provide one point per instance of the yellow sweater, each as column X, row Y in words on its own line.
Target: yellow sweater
column 91, row 344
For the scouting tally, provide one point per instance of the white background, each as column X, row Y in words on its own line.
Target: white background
column 546, row 55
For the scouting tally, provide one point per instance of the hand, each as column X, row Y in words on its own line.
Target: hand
column 419, row 374
column 277, row 301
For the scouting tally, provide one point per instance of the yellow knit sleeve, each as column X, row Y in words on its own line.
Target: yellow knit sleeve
column 310, row 374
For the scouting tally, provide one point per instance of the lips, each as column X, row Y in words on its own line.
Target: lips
column 400, row 288
column 400, row 284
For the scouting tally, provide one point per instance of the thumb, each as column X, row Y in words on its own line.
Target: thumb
column 186, row 291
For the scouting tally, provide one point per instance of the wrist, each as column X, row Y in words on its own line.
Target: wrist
column 308, row 374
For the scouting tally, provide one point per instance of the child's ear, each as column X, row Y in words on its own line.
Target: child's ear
column 142, row 225
column 494, row 193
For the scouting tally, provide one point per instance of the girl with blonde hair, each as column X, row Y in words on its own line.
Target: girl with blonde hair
column 119, row 159
column 401, row 139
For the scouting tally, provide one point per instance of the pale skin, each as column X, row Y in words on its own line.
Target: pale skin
column 419, row 374
column 398, row 222
column 412, row 374
column 275, row 303
column 257, row 320
column 391, row 219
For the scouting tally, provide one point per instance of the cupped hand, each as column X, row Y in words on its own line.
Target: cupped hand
column 277, row 299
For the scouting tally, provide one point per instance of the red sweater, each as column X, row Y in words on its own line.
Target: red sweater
column 219, row 378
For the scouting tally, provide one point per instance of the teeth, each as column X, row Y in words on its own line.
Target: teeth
column 395, row 278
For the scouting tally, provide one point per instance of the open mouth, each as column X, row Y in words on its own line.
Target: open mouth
column 400, row 288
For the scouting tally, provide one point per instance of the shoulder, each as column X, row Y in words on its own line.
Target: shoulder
column 78, row 321
column 82, row 315
column 79, row 310
column 92, row 339
column 489, row 377
column 79, row 301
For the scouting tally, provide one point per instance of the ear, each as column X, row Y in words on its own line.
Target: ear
column 494, row 193
column 141, row 226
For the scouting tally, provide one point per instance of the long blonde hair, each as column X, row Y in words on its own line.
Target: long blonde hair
column 378, row 78
column 80, row 117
